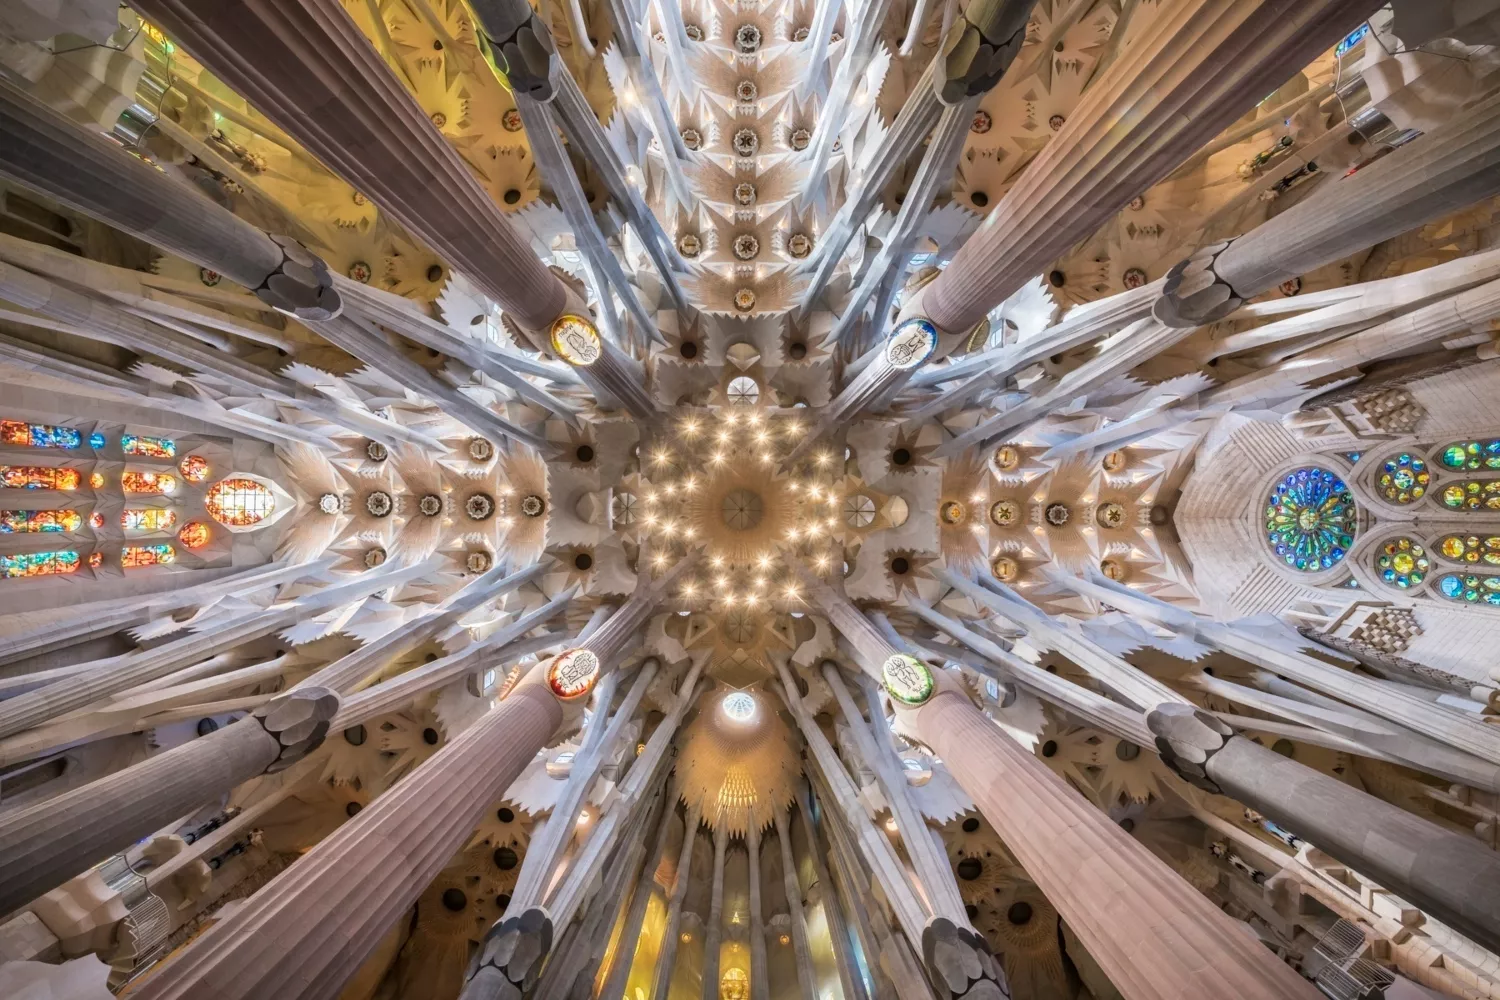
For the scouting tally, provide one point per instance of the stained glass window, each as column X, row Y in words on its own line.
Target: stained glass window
column 147, row 518
column 1402, row 563
column 1311, row 519
column 135, row 556
column 194, row 535
column 1472, row 455
column 194, row 468
column 96, row 441
column 37, row 477
column 1471, row 588
column 148, row 482
column 24, row 435
column 1403, row 479
column 96, row 520
column 96, row 559
column 30, row 521
column 1476, row 494
column 38, row 564
column 239, row 502
column 96, row 480
column 148, row 447
column 35, row 520
column 1471, row 548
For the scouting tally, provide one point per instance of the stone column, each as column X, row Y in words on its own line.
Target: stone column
column 1153, row 934
column 850, row 982
column 760, row 987
column 93, row 175
column 1203, row 65
column 713, row 934
column 306, row 66
column 305, row 933
column 630, row 931
column 1445, row 170
column 1450, row 874
column 45, row 844
column 120, row 673
column 793, row 887
column 932, row 868
column 666, row 959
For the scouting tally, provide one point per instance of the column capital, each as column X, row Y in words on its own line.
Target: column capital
column 298, row 721
column 960, row 963
column 1187, row 738
column 980, row 47
column 300, row 285
column 1195, row 293
column 509, row 962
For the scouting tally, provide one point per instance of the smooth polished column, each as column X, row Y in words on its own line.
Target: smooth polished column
column 303, row 935
column 1203, row 64
column 1153, row 934
column 306, row 66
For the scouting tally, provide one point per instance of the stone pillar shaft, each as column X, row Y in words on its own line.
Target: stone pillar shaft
column 306, row 66
column 760, row 987
column 666, row 959
column 850, row 982
column 794, row 908
column 713, row 934
column 303, row 935
column 1203, row 64
column 44, row 845
column 630, row 932
column 1153, row 934
column 1443, row 171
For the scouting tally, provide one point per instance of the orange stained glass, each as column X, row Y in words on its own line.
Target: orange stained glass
column 136, row 556
column 37, row 477
column 148, row 483
column 96, row 480
column 194, row 468
column 194, row 534
column 239, row 502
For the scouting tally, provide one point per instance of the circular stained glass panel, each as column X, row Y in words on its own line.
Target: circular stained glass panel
column 1310, row 519
column 572, row 674
column 1402, row 563
column 1403, row 479
column 739, row 706
column 911, row 344
column 576, row 340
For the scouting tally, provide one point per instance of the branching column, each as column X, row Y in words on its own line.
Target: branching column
column 1452, row 875
column 713, row 934
column 307, row 932
column 1153, row 934
column 635, row 917
column 793, row 887
column 306, row 66
column 1203, row 65
column 1450, row 168
column 760, row 986
column 666, row 959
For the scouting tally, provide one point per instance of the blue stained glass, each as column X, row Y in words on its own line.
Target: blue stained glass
column 1311, row 519
column 1352, row 39
column 96, row 441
